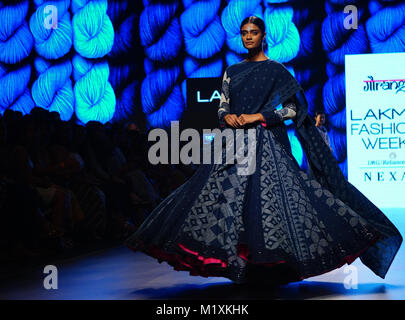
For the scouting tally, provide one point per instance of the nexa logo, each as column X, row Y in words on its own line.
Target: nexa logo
column 214, row 95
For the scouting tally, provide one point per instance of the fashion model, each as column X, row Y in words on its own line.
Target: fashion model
column 277, row 224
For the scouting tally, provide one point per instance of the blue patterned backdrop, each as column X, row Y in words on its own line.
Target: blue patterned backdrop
column 111, row 61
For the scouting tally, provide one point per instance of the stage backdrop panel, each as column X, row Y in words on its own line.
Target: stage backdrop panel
column 203, row 97
column 375, row 112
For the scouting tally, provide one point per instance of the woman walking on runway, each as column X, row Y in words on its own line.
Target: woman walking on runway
column 276, row 225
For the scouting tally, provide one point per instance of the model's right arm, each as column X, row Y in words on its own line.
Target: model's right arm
column 224, row 104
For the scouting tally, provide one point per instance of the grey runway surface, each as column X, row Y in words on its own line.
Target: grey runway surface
column 119, row 274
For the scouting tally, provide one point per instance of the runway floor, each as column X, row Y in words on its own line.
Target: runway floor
column 120, row 274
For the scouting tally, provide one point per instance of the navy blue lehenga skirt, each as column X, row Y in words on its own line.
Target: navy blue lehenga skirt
column 275, row 225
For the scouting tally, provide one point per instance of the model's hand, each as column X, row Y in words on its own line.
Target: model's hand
column 232, row 120
column 249, row 118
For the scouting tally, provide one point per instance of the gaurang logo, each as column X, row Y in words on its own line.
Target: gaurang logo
column 398, row 85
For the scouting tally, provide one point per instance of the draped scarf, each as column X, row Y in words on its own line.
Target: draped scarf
column 263, row 86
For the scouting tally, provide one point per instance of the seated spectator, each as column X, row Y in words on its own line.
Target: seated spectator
column 67, row 184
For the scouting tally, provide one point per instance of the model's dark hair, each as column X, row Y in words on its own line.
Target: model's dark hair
column 255, row 20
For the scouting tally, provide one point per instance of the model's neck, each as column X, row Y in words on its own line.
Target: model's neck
column 256, row 54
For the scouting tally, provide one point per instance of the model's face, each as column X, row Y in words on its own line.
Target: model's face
column 251, row 36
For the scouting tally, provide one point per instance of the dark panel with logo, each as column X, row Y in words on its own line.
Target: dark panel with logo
column 203, row 97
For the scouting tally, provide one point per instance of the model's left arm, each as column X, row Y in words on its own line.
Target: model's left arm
column 287, row 112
